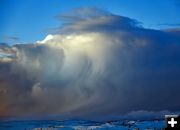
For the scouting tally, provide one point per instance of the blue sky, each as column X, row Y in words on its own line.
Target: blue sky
column 32, row 20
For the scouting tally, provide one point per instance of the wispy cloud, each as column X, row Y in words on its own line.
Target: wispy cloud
column 8, row 38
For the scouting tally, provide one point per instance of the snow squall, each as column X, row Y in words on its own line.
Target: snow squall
column 96, row 64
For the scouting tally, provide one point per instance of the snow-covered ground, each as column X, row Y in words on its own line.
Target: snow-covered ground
column 81, row 125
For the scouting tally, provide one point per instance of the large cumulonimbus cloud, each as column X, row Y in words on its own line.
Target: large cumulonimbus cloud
column 97, row 64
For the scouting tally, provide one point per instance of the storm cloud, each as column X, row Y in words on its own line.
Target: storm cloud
column 97, row 63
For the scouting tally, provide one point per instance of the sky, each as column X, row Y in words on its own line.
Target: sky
column 91, row 60
column 27, row 21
